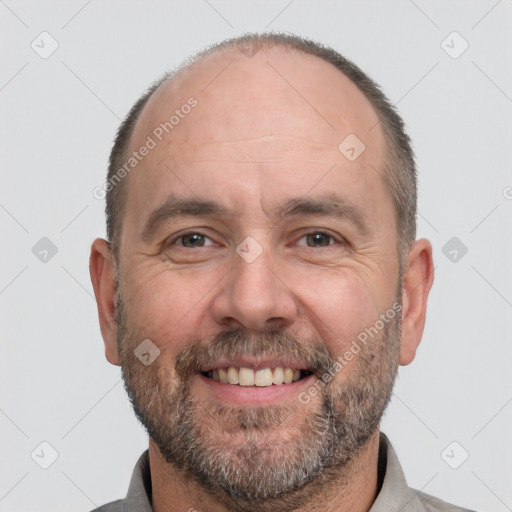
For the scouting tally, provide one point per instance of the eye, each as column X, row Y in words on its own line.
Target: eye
column 318, row 239
column 195, row 240
column 192, row 240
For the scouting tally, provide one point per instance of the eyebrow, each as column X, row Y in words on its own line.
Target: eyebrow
column 329, row 205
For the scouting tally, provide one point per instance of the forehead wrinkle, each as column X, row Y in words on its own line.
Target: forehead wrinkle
column 271, row 149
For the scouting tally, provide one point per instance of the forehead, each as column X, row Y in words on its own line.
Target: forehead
column 276, row 92
column 274, row 121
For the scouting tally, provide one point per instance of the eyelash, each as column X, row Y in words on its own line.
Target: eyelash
column 339, row 240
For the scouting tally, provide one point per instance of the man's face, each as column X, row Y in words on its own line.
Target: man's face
column 267, row 280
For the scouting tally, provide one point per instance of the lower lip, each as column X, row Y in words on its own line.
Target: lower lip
column 255, row 395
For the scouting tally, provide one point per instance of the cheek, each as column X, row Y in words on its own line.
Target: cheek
column 339, row 305
column 167, row 307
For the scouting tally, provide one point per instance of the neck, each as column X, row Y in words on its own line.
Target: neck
column 354, row 489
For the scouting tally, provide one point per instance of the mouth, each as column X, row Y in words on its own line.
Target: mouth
column 256, row 377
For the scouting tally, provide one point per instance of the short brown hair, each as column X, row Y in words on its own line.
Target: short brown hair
column 398, row 172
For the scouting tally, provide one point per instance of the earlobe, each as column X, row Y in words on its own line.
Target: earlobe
column 417, row 282
column 102, row 270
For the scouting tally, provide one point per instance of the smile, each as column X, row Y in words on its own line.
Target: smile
column 262, row 377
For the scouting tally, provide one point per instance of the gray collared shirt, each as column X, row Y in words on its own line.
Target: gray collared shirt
column 394, row 496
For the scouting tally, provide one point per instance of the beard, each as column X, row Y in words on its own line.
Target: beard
column 274, row 458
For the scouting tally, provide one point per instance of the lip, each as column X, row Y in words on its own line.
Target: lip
column 254, row 395
column 255, row 363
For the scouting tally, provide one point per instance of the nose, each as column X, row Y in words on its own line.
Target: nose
column 255, row 295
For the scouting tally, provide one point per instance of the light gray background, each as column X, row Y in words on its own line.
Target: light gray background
column 59, row 116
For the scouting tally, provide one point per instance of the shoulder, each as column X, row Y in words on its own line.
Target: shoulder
column 432, row 504
column 138, row 496
column 114, row 506
column 395, row 493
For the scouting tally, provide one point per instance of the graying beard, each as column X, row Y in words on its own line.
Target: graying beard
column 248, row 475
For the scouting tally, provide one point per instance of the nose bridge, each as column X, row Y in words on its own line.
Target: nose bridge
column 254, row 295
column 252, row 267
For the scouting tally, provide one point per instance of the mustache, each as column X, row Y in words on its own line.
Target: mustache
column 268, row 344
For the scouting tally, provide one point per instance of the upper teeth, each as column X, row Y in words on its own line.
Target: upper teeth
column 249, row 377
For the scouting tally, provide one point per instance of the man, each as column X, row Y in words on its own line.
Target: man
column 261, row 282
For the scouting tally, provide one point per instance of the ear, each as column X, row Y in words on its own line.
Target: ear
column 101, row 267
column 417, row 282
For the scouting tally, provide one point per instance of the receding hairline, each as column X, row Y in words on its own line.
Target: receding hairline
column 222, row 52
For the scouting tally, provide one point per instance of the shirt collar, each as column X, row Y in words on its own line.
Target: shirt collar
column 394, row 494
column 138, row 498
